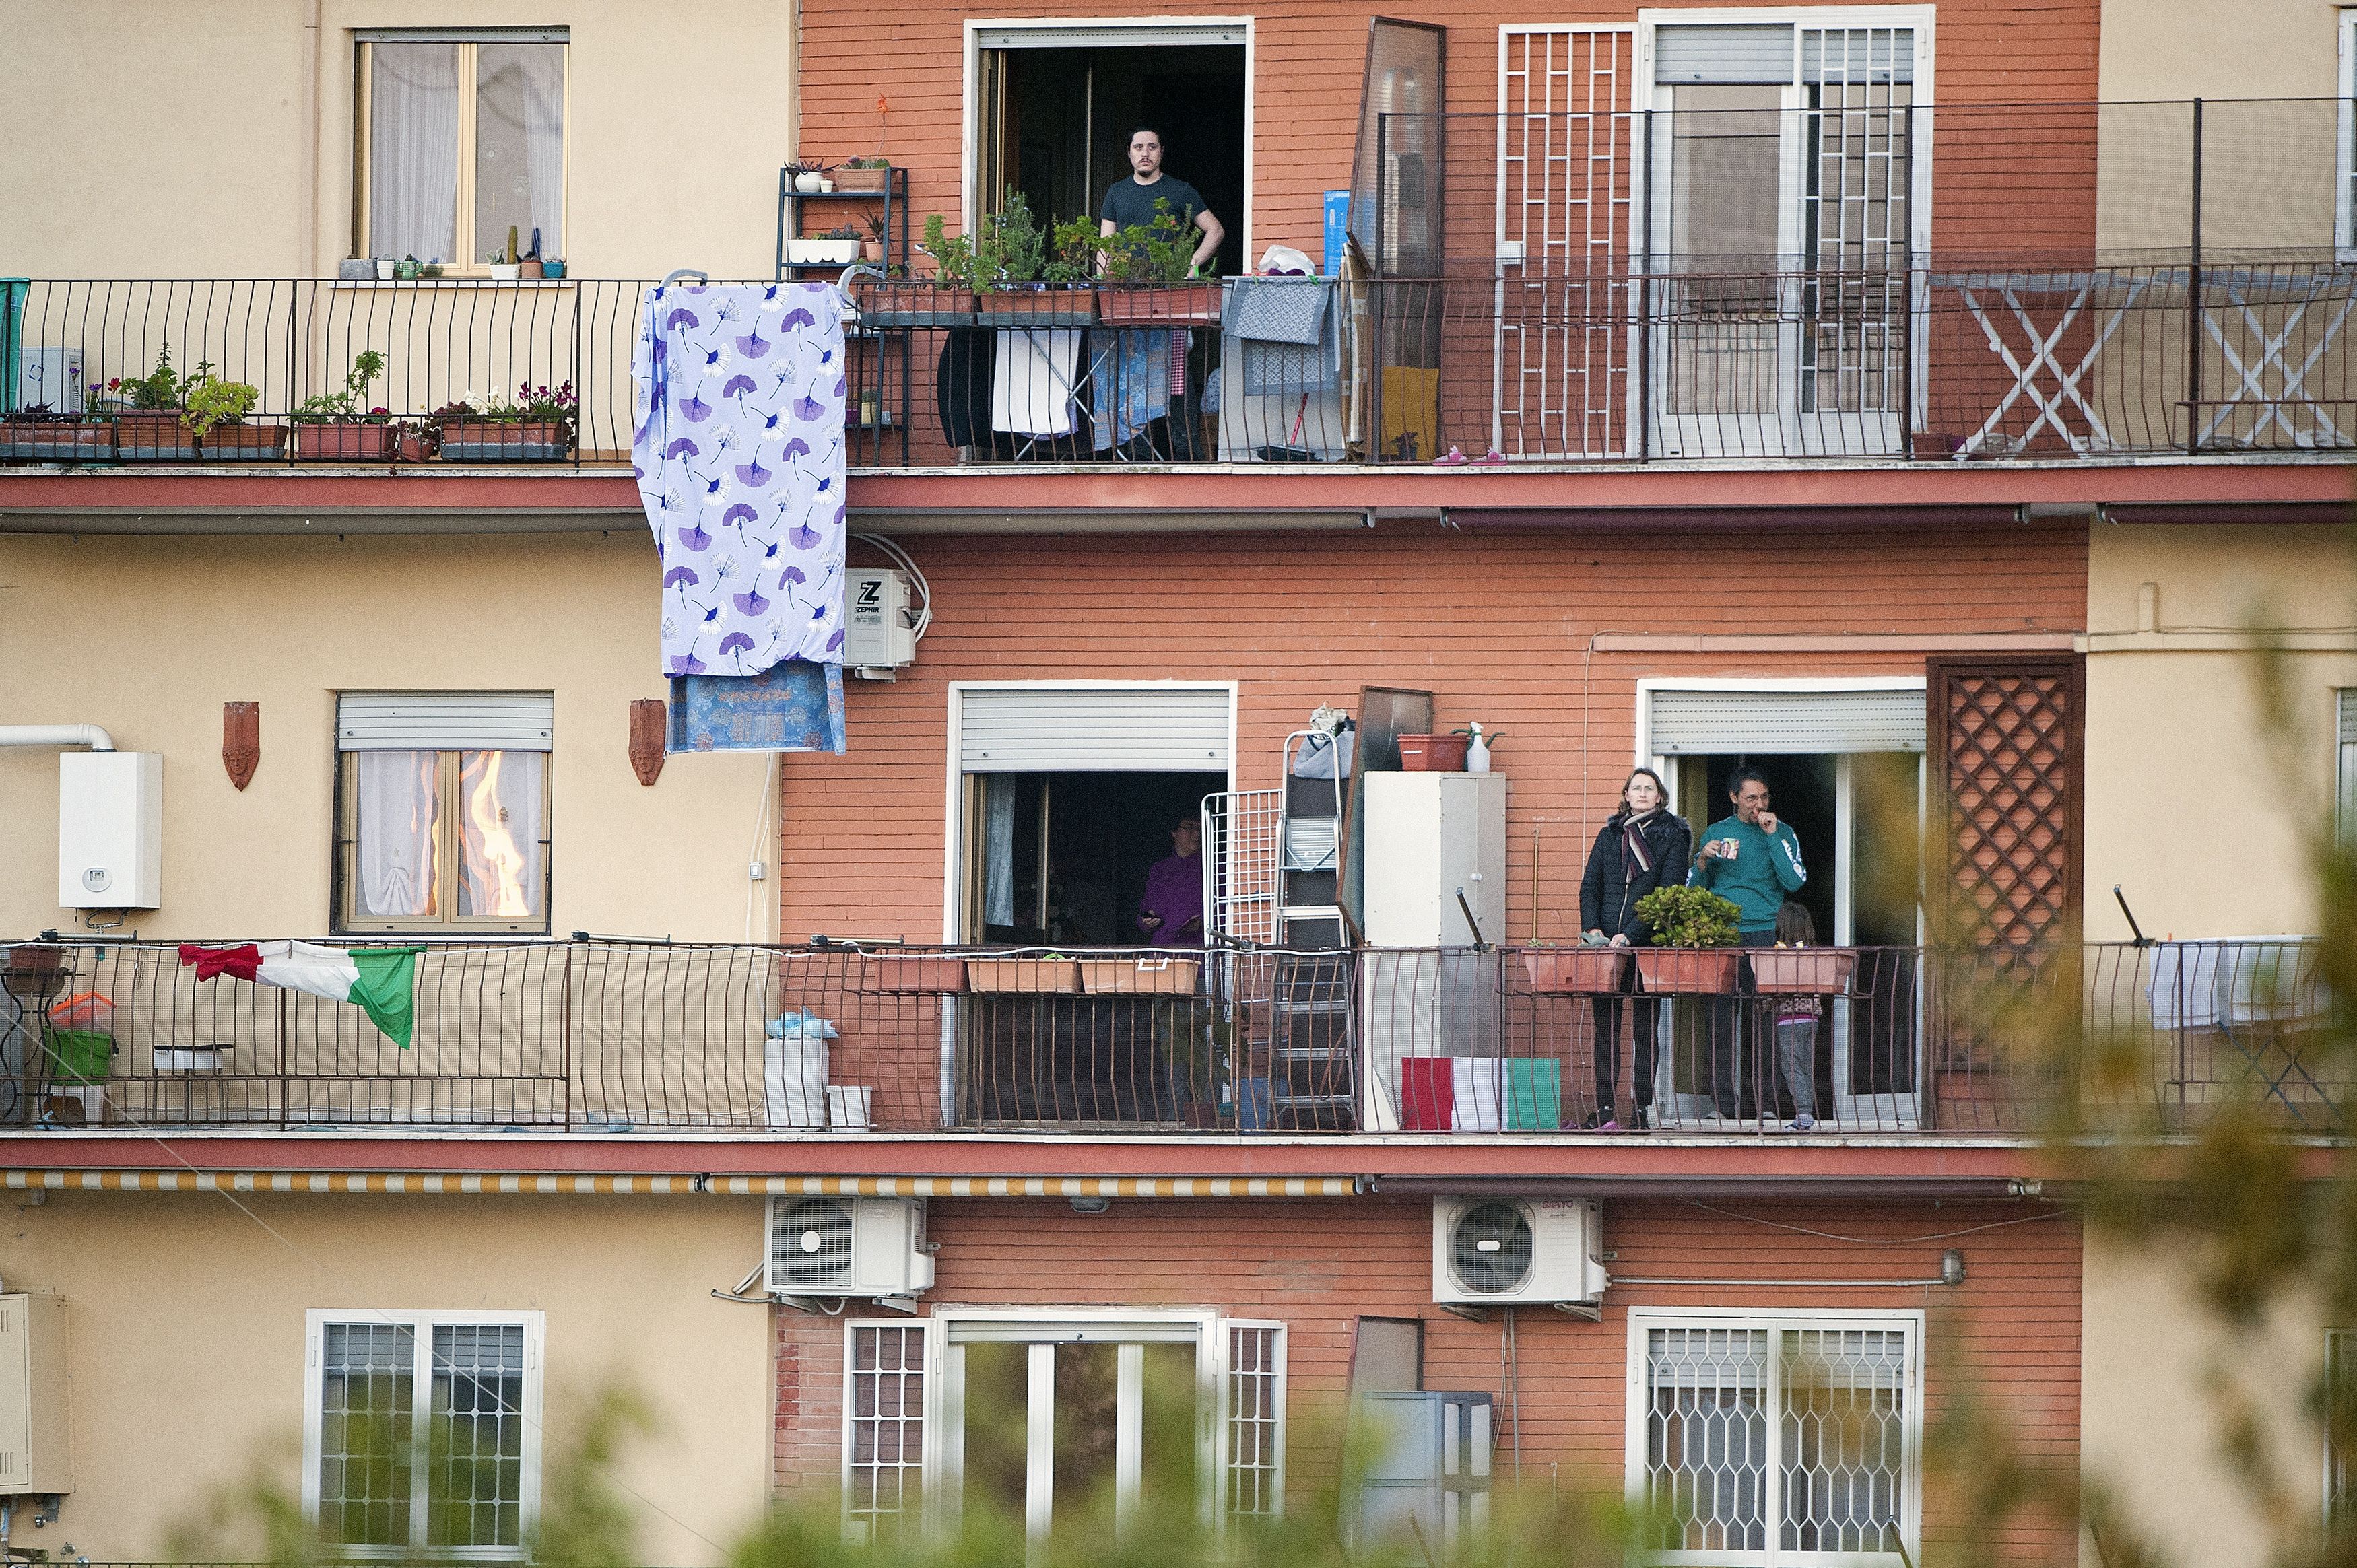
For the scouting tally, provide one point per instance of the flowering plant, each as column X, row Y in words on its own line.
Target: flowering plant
column 531, row 405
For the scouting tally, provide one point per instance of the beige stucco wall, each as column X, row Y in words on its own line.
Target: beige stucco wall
column 2192, row 807
column 149, row 637
column 216, row 140
column 2154, row 1418
column 188, row 1337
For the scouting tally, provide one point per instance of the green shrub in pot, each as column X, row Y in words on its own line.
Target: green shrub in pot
column 1686, row 916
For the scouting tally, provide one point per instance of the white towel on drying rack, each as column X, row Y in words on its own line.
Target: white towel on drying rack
column 1031, row 382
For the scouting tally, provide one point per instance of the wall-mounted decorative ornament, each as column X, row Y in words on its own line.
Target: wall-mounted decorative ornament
column 648, row 721
column 241, row 741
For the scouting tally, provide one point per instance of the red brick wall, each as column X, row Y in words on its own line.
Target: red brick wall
column 2011, row 1333
column 1497, row 625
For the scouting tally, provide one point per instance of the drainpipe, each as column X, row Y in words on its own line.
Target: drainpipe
column 90, row 736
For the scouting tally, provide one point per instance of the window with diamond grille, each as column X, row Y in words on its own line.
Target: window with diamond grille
column 1254, row 1484
column 1767, row 1438
column 422, row 1432
column 884, row 1452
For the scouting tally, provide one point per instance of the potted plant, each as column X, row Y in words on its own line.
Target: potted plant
column 150, row 428
column 1587, row 969
column 1694, row 935
column 808, row 178
column 1802, row 972
column 535, row 426
column 872, row 244
column 1148, row 268
column 838, row 246
column 37, row 433
column 553, row 267
column 863, row 174
column 406, row 269
column 334, row 426
column 944, row 299
column 529, row 261
column 216, row 414
column 1044, row 275
column 505, row 266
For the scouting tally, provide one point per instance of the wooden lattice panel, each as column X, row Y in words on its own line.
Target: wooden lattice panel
column 2006, row 737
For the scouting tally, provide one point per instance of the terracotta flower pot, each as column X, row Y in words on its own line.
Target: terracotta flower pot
column 155, row 437
column 912, row 302
column 344, row 441
column 243, row 443
column 1581, row 970
column 1710, row 971
column 903, row 974
column 503, row 441
column 1190, row 304
column 1795, row 971
column 1030, row 975
column 1433, row 752
column 847, row 178
column 56, row 441
column 1028, row 305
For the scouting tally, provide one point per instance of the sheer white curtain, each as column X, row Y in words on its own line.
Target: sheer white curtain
column 520, row 145
column 999, row 849
column 413, row 151
column 398, row 815
column 500, row 854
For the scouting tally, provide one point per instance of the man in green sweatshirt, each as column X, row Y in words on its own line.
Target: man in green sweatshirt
column 1755, row 860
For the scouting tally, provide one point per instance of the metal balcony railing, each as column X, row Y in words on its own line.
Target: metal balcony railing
column 607, row 1035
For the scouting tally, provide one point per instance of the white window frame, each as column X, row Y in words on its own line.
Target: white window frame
column 463, row 238
column 2345, row 764
column 422, row 1325
column 913, row 1505
column 1205, row 1326
column 970, row 98
column 1637, row 1426
column 2344, row 137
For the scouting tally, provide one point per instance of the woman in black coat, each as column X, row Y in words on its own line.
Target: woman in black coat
column 1641, row 848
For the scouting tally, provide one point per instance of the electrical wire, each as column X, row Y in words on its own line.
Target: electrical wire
column 754, row 855
column 1876, row 1240
column 906, row 563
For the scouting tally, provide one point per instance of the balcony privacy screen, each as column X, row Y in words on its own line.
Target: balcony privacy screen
column 1395, row 173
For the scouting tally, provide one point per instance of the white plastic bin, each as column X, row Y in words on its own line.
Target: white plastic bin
column 795, row 1080
column 848, row 1106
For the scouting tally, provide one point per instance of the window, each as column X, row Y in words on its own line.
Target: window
column 459, row 138
column 2344, row 185
column 2339, row 1423
column 2345, row 766
column 1051, row 1418
column 422, row 1432
column 1754, row 1436
column 442, row 810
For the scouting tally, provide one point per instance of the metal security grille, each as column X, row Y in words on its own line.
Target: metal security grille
column 477, row 1495
column 367, row 1398
column 1567, row 188
column 1768, row 1438
column 884, row 1452
column 1254, row 1484
column 1857, row 86
column 1241, row 849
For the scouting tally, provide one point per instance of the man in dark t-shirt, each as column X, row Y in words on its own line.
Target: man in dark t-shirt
column 1132, row 202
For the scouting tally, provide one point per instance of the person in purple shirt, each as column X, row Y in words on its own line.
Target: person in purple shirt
column 1171, row 913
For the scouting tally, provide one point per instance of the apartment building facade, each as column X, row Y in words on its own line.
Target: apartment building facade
column 1701, row 389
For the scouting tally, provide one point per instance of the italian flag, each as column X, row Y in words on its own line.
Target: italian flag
column 380, row 981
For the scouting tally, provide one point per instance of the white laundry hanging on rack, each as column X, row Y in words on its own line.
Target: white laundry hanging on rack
column 1031, row 382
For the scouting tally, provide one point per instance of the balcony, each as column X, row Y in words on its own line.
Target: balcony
column 599, row 1035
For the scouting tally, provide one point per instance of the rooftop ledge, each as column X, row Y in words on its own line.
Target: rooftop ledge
column 1206, row 497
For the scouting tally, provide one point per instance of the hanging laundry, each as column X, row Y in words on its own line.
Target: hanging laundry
column 793, row 705
column 740, row 458
column 1032, row 381
column 1128, row 370
column 380, row 981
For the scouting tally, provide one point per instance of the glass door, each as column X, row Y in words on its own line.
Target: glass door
column 1077, row 1431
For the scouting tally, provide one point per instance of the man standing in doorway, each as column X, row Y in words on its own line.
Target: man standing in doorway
column 1753, row 859
column 1130, row 203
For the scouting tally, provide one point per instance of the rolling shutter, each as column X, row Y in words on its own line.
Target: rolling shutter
column 446, row 721
column 1785, row 723
column 1731, row 53
column 1093, row 729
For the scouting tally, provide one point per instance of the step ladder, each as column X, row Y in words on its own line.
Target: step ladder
column 1313, row 1045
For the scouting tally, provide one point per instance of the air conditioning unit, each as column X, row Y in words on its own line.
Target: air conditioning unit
column 879, row 632
column 1515, row 1251
column 50, row 376
column 848, row 1246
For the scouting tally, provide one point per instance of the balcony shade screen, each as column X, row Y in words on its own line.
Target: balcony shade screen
column 1785, row 723
column 444, row 721
column 1093, row 729
column 1733, row 54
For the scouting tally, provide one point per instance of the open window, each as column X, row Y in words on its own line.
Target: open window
column 1056, row 106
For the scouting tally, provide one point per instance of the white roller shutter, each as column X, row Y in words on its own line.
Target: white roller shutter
column 1690, row 723
column 446, row 721
column 1176, row 35
column 1744, row 52
column 1093, row 729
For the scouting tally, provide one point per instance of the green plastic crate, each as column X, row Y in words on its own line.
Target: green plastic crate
column 80, row 1056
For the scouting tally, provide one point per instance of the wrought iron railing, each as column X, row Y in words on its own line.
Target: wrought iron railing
column 611, row 1035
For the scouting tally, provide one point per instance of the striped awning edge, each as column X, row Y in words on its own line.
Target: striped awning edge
column 724, row 1186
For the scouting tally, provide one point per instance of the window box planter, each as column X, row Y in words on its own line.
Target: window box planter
column 1581, row 970
column 1800, row 972
column 1028, row 305
column 1003, row 976
column 823, row 253
column 909, row 974
column 56, row 441
column 504, row 441
column 345, row 441
column 850, row 178
column 1140, row 977
column 243, row 443
column 1693, row 971
column 154, row 438
column 1192, row 303
column 910, row 302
